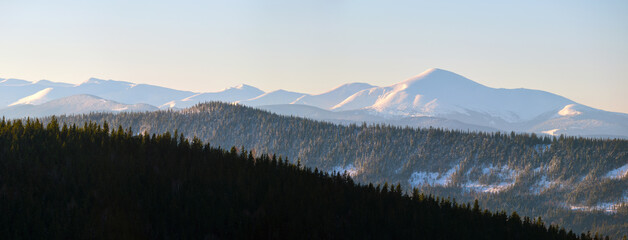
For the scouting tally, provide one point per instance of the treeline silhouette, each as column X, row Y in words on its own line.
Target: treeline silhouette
column 66, row 182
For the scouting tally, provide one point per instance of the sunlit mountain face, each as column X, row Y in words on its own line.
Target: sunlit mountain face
column 436, row 98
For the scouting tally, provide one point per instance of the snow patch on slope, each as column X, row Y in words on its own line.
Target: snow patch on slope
column 170, row 104
column 569, row 111
column 605, row 207
column 349, row 169
column 37, row 98
column 505, row 179
column 272, row 98
column 361, row 99
column 618, row 173
column 488, row 188
column 328, row 100
column 551, row 132
column 187, row 99
column 431, row 178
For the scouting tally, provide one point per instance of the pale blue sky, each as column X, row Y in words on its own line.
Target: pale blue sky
column 578, row 49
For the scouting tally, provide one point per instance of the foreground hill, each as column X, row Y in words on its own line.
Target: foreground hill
column 69, row 182
column 575, row 182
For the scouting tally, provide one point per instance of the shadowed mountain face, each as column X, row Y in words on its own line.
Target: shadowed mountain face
column 436, row 97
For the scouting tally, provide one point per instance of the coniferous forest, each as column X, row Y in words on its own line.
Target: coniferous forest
column 65, row 182
column 565, row 180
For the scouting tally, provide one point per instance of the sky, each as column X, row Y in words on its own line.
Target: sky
column 577, row 49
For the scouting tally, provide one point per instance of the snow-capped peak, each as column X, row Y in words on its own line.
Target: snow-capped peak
column 434, row 77
column 430, row 93
column 441, row 93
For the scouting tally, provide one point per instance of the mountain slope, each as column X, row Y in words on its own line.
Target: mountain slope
column 125, row 92
column 565, row 180
column 362, row 116
column 77, row 104
column 13, row 90
column 331, row 98
column 361, row 99
column 274, row 97
column 129, row 93
column 576, row 119
column 37, row 98
column 233, row 94
column 90, row 182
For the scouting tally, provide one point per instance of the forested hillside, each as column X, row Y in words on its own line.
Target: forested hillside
column 575, row 182
column 68, row 182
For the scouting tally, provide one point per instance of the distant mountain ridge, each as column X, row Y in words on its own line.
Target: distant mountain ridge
column 436, row 97
column 76, row 104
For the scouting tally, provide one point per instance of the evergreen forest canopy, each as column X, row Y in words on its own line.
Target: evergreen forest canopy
column 66, row 182
column 532, row 175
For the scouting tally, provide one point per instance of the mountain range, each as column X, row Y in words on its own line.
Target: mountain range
column 436, row 98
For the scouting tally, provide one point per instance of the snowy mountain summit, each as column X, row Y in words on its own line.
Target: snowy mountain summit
column 441, row 93
column 444, row 94
column 436, row 97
